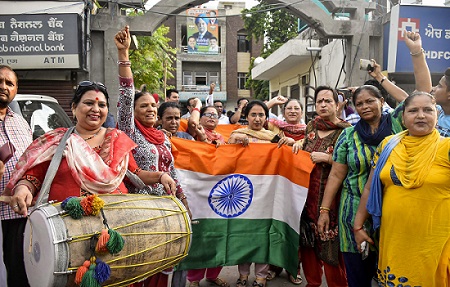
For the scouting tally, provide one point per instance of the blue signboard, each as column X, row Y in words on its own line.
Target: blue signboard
column 433, row 24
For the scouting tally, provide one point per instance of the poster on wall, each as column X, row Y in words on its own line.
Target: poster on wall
column 202, row 31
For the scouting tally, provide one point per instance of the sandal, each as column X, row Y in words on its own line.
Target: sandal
column 241, row 282
column 194, row 284
column 256, row 284
column 295, row 280
column 271, row 275
column 218, row 282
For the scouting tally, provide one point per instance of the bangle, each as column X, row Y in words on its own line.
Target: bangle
column 196, row 109
column 358, row 229
column 29, row 188
column 182, row 197
column 421, row 51
column 124, row 63
column 324, row 211
column 161, row 175
column 382, row 80
column 324, row 208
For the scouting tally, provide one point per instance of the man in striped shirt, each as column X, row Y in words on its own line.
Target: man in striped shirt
column 15, row 129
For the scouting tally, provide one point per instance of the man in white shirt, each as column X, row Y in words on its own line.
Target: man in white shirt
column 223, row 119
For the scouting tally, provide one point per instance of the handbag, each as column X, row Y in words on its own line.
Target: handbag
column 328, row 251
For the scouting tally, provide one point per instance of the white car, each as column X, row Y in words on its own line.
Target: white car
column 43, row 113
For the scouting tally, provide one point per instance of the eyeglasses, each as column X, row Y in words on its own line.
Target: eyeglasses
column 210, row 115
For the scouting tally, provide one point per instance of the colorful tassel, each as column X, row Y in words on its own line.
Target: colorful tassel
column 86, row 204
column 81, row 271
column 73, row 207
column 102, row 271
column 89, row 278
column 115, row 243
column 64, row 203
column 102, row 241
column 97, row 204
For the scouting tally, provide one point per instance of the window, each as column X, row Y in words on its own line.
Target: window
column 200, row 78
column 187, row 78
column 242, row 78
column 214, row 78
column 243, row 44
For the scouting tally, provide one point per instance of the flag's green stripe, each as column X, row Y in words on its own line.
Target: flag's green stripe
column 228, row 242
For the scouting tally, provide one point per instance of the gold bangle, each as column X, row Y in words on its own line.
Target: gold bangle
column 324, row 211
column 324, row 208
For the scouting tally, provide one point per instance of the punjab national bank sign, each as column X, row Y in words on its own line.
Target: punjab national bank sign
column 47, row 41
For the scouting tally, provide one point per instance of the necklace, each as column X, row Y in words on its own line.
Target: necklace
column 91, row 137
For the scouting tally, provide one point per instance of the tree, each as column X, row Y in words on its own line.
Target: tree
column 152, row 61
column 275, row 27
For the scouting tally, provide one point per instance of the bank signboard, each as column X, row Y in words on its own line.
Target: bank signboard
column 433, row 25
column 40, row 41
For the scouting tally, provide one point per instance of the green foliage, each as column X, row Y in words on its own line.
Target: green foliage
column 152, row 61
column 273, row 26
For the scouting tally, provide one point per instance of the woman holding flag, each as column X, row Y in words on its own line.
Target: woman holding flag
column 321, row 136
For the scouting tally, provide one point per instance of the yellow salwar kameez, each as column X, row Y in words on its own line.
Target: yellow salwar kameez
column 415, row 222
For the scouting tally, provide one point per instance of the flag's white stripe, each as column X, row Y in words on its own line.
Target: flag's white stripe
column 274, row 196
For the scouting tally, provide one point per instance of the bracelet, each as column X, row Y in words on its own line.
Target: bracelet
column 124, row 63
column 382, row 80
column 358, row 229
column 196, row 109
column 324, row 208
column 324, row 211
column 417, row 53
column 161, row 175
column 29, row 188
column 181, row 198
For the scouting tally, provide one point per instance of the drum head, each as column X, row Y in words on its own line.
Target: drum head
column 43, row 255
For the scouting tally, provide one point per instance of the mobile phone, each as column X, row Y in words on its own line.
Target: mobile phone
column 366, row 65
column 365, row 250
column 275, row 139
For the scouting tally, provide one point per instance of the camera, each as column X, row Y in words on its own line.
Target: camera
column 366, row 65
column 346, row 93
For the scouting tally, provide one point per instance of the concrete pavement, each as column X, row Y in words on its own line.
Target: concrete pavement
column 230, row 274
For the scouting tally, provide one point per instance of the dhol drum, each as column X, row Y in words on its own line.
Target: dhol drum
column 156, row 231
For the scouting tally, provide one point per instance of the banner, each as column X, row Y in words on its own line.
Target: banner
column 202, row 31
column 246, row 202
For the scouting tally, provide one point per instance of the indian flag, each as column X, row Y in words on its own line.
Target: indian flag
column 246, row 202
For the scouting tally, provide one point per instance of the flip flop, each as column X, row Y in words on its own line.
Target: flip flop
column 295, row 280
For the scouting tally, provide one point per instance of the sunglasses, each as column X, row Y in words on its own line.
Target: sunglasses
column 92, row 84
column 210, row 115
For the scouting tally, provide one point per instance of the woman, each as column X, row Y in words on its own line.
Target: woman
column 109, row 157
column 203, row 122
column 292, row 126
column 169, row 115
column 137, row 114
column 409, row 197
column 322, row 133
column 352, row 156
column 256, row 114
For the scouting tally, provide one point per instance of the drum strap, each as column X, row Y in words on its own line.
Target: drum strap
column 52, row 169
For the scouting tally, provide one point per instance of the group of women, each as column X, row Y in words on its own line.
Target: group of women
column 410, row 186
